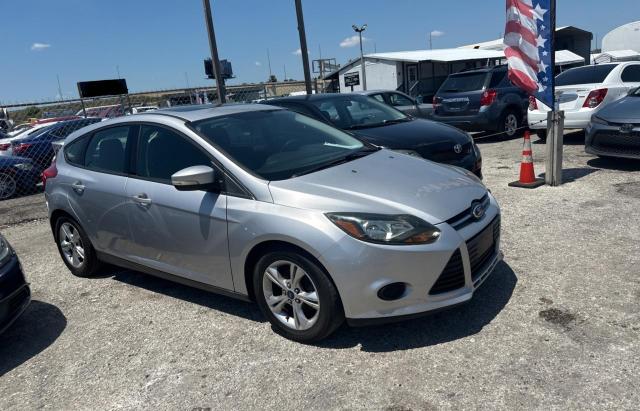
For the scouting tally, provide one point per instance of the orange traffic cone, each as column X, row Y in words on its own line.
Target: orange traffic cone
column 527, row 174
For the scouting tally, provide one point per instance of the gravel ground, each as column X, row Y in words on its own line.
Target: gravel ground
column 557, row 325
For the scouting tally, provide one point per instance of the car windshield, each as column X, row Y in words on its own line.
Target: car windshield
column 354, row 112
column 584, row 75
column 280, row 144
column 464, row 82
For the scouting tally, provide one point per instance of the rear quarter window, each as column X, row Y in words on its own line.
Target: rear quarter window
column 585, row 75
column 74, row 152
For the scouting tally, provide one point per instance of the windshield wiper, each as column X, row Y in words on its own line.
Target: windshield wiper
column 363, row 152
column 397, row 120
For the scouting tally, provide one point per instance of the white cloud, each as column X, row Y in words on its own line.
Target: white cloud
column 353, row 41
column 40, row 46
column 437, row 33
column 258, row 63
column 298, row 52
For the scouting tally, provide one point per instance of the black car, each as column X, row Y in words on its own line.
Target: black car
column 17, row 176
column 14, row 290
column 481, row 100
column 379, row 124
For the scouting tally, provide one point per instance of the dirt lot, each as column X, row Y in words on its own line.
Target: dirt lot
column 556, row 326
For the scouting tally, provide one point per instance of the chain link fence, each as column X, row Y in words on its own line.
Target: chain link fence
column 29, row 130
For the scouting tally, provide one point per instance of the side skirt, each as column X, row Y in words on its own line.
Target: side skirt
column 109, row 259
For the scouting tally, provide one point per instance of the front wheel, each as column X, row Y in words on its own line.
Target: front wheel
column 297, row 296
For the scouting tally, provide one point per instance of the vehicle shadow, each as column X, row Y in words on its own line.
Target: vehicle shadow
column 439, row 328
column 569, row 175
column 621, row 164
column 38, row 327
column 193, row 295
column 571, row 138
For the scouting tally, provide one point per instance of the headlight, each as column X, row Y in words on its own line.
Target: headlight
column 386, row 229
column 5, row 251
column 598, row 120
column 23, row 166
column 409, row 152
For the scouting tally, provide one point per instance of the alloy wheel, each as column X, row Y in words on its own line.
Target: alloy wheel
column 510, row 124
column 71, row 245
column 7, row 186
column 291, row 295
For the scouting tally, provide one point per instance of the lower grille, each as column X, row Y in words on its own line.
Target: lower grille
column 617, row 142
column 444, row 152
column 482, row 247
column 452, row 276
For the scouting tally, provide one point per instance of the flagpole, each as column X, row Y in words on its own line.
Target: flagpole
column 555, row 118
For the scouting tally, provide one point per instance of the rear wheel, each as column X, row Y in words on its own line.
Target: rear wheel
column 297, row 297
column 7, row 186
column 510, row 123
column 75, row 248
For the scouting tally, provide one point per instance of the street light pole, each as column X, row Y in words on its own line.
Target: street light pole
column 303, row 47
column 217, row 71
column 359, row 30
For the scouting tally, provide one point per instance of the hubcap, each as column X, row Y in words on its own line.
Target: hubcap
column 511, row 124
column 71, row 245
column 7, row 186
column 291, row 295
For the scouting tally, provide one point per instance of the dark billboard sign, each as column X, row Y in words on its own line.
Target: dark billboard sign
column 100, row 88
column 352, row 79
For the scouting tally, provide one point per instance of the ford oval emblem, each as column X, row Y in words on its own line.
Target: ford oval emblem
column 457, row 148
column 477, row 210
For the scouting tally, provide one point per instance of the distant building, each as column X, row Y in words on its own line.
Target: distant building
column 625, row 37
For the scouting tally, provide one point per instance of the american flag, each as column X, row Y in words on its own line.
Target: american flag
column 528, row 49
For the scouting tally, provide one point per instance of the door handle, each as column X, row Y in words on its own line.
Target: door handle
column 142, row 200
column 78, row 187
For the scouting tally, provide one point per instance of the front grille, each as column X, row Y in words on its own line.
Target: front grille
column 465, row 218
column 452, row 276
column 620, row 143
column 443, row 152
column 482, row 248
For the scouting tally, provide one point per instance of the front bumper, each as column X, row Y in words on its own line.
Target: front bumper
column 15, row 294
column 609, row 140
column 360, row 269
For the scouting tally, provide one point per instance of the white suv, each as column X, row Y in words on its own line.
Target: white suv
column 583, row 91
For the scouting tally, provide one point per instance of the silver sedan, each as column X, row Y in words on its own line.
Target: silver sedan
column 264, row 204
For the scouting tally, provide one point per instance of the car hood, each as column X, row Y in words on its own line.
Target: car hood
column 384, row 182
column 626, row 110
column 411, row 134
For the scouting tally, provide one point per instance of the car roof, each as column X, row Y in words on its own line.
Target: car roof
column 204, row 111
column 317, row 97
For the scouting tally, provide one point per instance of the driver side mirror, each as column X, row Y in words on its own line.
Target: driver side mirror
column 196, row 178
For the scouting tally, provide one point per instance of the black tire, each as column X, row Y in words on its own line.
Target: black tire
column 330, row 314
column 513, row 118
column 8, row 186
column 90, row 263
column 542, row 135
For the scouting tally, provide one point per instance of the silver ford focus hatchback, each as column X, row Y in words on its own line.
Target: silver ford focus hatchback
column 264, row 204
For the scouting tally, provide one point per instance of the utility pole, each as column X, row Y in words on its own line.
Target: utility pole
column 118, row 71
column 59, row 88
column 303, row 47
column 430, row 40
column 555, row 119
column 359, row 30
column 213, row 46
column 285, row 72
column 269, row 63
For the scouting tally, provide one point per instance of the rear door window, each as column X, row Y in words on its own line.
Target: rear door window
column 107, row 150
column 464, row 82
column 585, row 75
column 398, row 100
column 631, row 74
column 497, row 79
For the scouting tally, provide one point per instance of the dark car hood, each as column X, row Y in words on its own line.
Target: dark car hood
column 412, row 134
column 626, row 110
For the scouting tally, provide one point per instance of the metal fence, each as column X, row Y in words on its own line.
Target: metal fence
column 29, row 130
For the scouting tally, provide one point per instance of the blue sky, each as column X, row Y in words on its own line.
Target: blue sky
column 155, row 42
